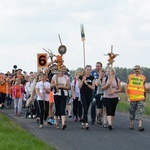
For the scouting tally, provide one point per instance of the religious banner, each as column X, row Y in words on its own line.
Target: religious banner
column 82, row 32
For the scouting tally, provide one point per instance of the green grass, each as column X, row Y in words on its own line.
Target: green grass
column 123, row 105
column 14, row 137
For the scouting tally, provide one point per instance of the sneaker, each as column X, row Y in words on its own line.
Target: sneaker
column 87, row 126
column 38, row 120
column 82, row 126
column 131, row 127
column 104, row 125
column 75, row 119
column 29, row 116
column 66, row 112
column 51, row 121
column 3, row 106
column 41, row 126
column 110, row 127
column 45, row 123
column 64, row 127
column 92, row 122
column 99, row 122
column 81, row 120
column 141, row 129
column 57, row 126
column 34, row 116
column 54, row 122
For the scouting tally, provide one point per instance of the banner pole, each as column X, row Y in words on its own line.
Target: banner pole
column 84, row 53
column 83, row 39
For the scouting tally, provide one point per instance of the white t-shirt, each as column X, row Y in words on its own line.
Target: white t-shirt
column 40, row 86
column 76, row 88
column 61, row 81
column 29, row 88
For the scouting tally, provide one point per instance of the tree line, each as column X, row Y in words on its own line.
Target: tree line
column 122, row 73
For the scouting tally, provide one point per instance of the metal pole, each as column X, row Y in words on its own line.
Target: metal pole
column 60, row 39
column 112, row 53
column 84, row 53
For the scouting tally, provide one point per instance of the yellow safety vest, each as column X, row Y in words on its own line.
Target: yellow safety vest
column 135, row 87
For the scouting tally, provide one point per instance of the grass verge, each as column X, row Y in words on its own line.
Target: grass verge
column 14, row 137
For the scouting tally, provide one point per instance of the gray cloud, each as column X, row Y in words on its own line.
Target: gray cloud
column 28, row 26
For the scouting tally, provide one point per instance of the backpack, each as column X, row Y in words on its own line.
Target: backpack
column 75, row 81
column 115, row 79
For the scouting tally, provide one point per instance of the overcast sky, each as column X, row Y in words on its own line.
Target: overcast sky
column 28, row 26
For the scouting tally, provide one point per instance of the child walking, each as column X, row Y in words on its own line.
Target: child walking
column 17, row 95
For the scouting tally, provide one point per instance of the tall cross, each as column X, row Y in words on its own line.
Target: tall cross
column 111, row 58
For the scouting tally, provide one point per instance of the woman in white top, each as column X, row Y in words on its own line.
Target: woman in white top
column 29, row 86
column 77, row 107
column 42, row 91
column 61, row 83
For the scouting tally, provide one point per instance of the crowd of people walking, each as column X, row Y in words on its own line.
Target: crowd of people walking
column 49, row 94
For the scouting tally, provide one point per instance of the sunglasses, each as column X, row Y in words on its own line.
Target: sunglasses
column 136, row 69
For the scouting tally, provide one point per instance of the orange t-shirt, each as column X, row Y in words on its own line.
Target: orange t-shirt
column 3, row 86
column 18, row 91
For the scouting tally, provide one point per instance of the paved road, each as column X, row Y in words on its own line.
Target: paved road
column 96, row 138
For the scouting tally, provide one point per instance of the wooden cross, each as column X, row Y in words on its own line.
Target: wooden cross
column 111, row 58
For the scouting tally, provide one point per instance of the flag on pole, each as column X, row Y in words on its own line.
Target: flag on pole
column 82, row 32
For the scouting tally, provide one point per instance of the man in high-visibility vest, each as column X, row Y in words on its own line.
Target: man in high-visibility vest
column 135, row 93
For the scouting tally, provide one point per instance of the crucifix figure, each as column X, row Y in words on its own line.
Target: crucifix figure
column 111, row 58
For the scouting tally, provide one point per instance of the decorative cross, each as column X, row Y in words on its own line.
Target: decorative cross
column 111, row 58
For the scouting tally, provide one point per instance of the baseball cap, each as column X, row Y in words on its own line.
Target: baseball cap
column 136, row 67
